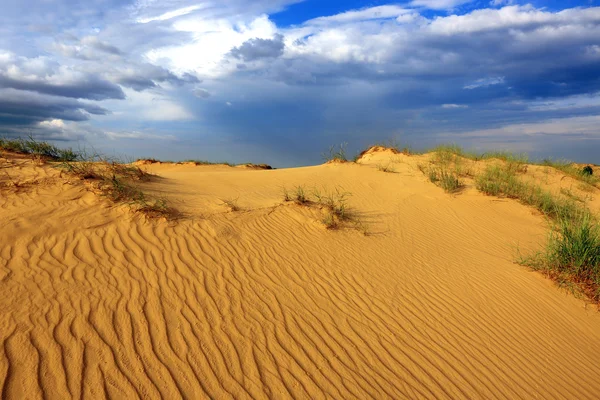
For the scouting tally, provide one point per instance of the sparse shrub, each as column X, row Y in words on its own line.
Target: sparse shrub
column 570, row 169
column 587, row 171
column 38, row 149
column 572, row 254
column 286, row 194
column 232, row 203
column 444, row 178
column 386, row 168
column 497, row 180
column 300, row 195
column 336, row 153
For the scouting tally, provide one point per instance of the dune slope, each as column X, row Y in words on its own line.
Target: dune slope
column 266, row 303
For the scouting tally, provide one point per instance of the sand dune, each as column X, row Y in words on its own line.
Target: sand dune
column 98, row 302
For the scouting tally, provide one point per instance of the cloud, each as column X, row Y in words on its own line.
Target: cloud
column 439, row 4
column 255, row 49
column 201, row 93
column 371, row 13
column 484, row 82
column 45, row 76
column 170, row 14
column 22, row 108
column 454, row 106
column 206, row 55
column 141, row 66
column 586, row 126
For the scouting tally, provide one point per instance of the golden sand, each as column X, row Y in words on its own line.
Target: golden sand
column 98, row 302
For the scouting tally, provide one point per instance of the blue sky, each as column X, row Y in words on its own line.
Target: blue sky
column 279, row 81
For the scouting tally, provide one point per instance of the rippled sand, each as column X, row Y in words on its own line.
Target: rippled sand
column 266, row 303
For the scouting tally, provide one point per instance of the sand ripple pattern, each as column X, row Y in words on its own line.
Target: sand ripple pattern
column 98, row 304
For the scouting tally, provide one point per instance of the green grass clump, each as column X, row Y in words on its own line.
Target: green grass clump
column 40, row 149
column 300, row 195
column 568, row 168
column 335, row 204
column 500, row 180
column 572, row 254
column 443, row 177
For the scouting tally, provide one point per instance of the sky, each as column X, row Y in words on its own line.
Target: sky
column 279, row 81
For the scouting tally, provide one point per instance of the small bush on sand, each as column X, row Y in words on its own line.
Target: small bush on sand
column 300, row 195
column 336, row 153
column 444, row 178
column 231, row 203
column 39, row 149
column 572, row 254
column 499, row 180
column 386, row 168
column 570, row 169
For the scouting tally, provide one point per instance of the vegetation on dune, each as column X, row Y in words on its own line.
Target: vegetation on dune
column 40, row 149
column 336, row 153
column 585, row 174
column 111, row 178
column 572, row 255
column 386, row 168
column 333, row 205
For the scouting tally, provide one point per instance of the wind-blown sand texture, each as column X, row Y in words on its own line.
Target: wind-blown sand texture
column 98, row 302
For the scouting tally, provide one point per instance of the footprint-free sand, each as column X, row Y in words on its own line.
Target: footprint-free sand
column 265, row 302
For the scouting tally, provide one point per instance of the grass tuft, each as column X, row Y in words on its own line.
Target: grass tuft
column 572, row 254
column 585, row 174
column 336, row 153
column 386, row 168
column 499, row 180
column 38, row 149
column 232, row 203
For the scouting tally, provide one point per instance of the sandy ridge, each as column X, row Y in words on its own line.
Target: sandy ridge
column 266, row 303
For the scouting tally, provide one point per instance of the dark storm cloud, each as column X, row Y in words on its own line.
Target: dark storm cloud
column 255, row 49
column 147, row 76
column 90, row 87
column 26, row 108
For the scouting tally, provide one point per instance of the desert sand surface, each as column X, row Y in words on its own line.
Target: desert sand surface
column 265, row 302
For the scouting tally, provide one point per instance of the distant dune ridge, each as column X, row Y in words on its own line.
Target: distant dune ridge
column 247, row 294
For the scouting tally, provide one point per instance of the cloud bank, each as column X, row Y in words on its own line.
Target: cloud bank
column 231, row 73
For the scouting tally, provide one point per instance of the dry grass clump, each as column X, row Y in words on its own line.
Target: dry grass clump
column 115, row 181
column 499, row 180
column 232, row 204
column 386, row 168
column 333, row 204
column 336, row 154
column 443, row 176
column 585, row 174
column 41, row 150
column 446, row 179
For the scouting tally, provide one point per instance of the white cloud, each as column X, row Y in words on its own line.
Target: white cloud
column 136, row 135
column 151, row 105
column 380, row 12
column 454, row 106
column 439, row 4
column 170, row 14
column 497, row 3
column 567, row 103
column 580, row 126
column 484, row 82
column 212, row 41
